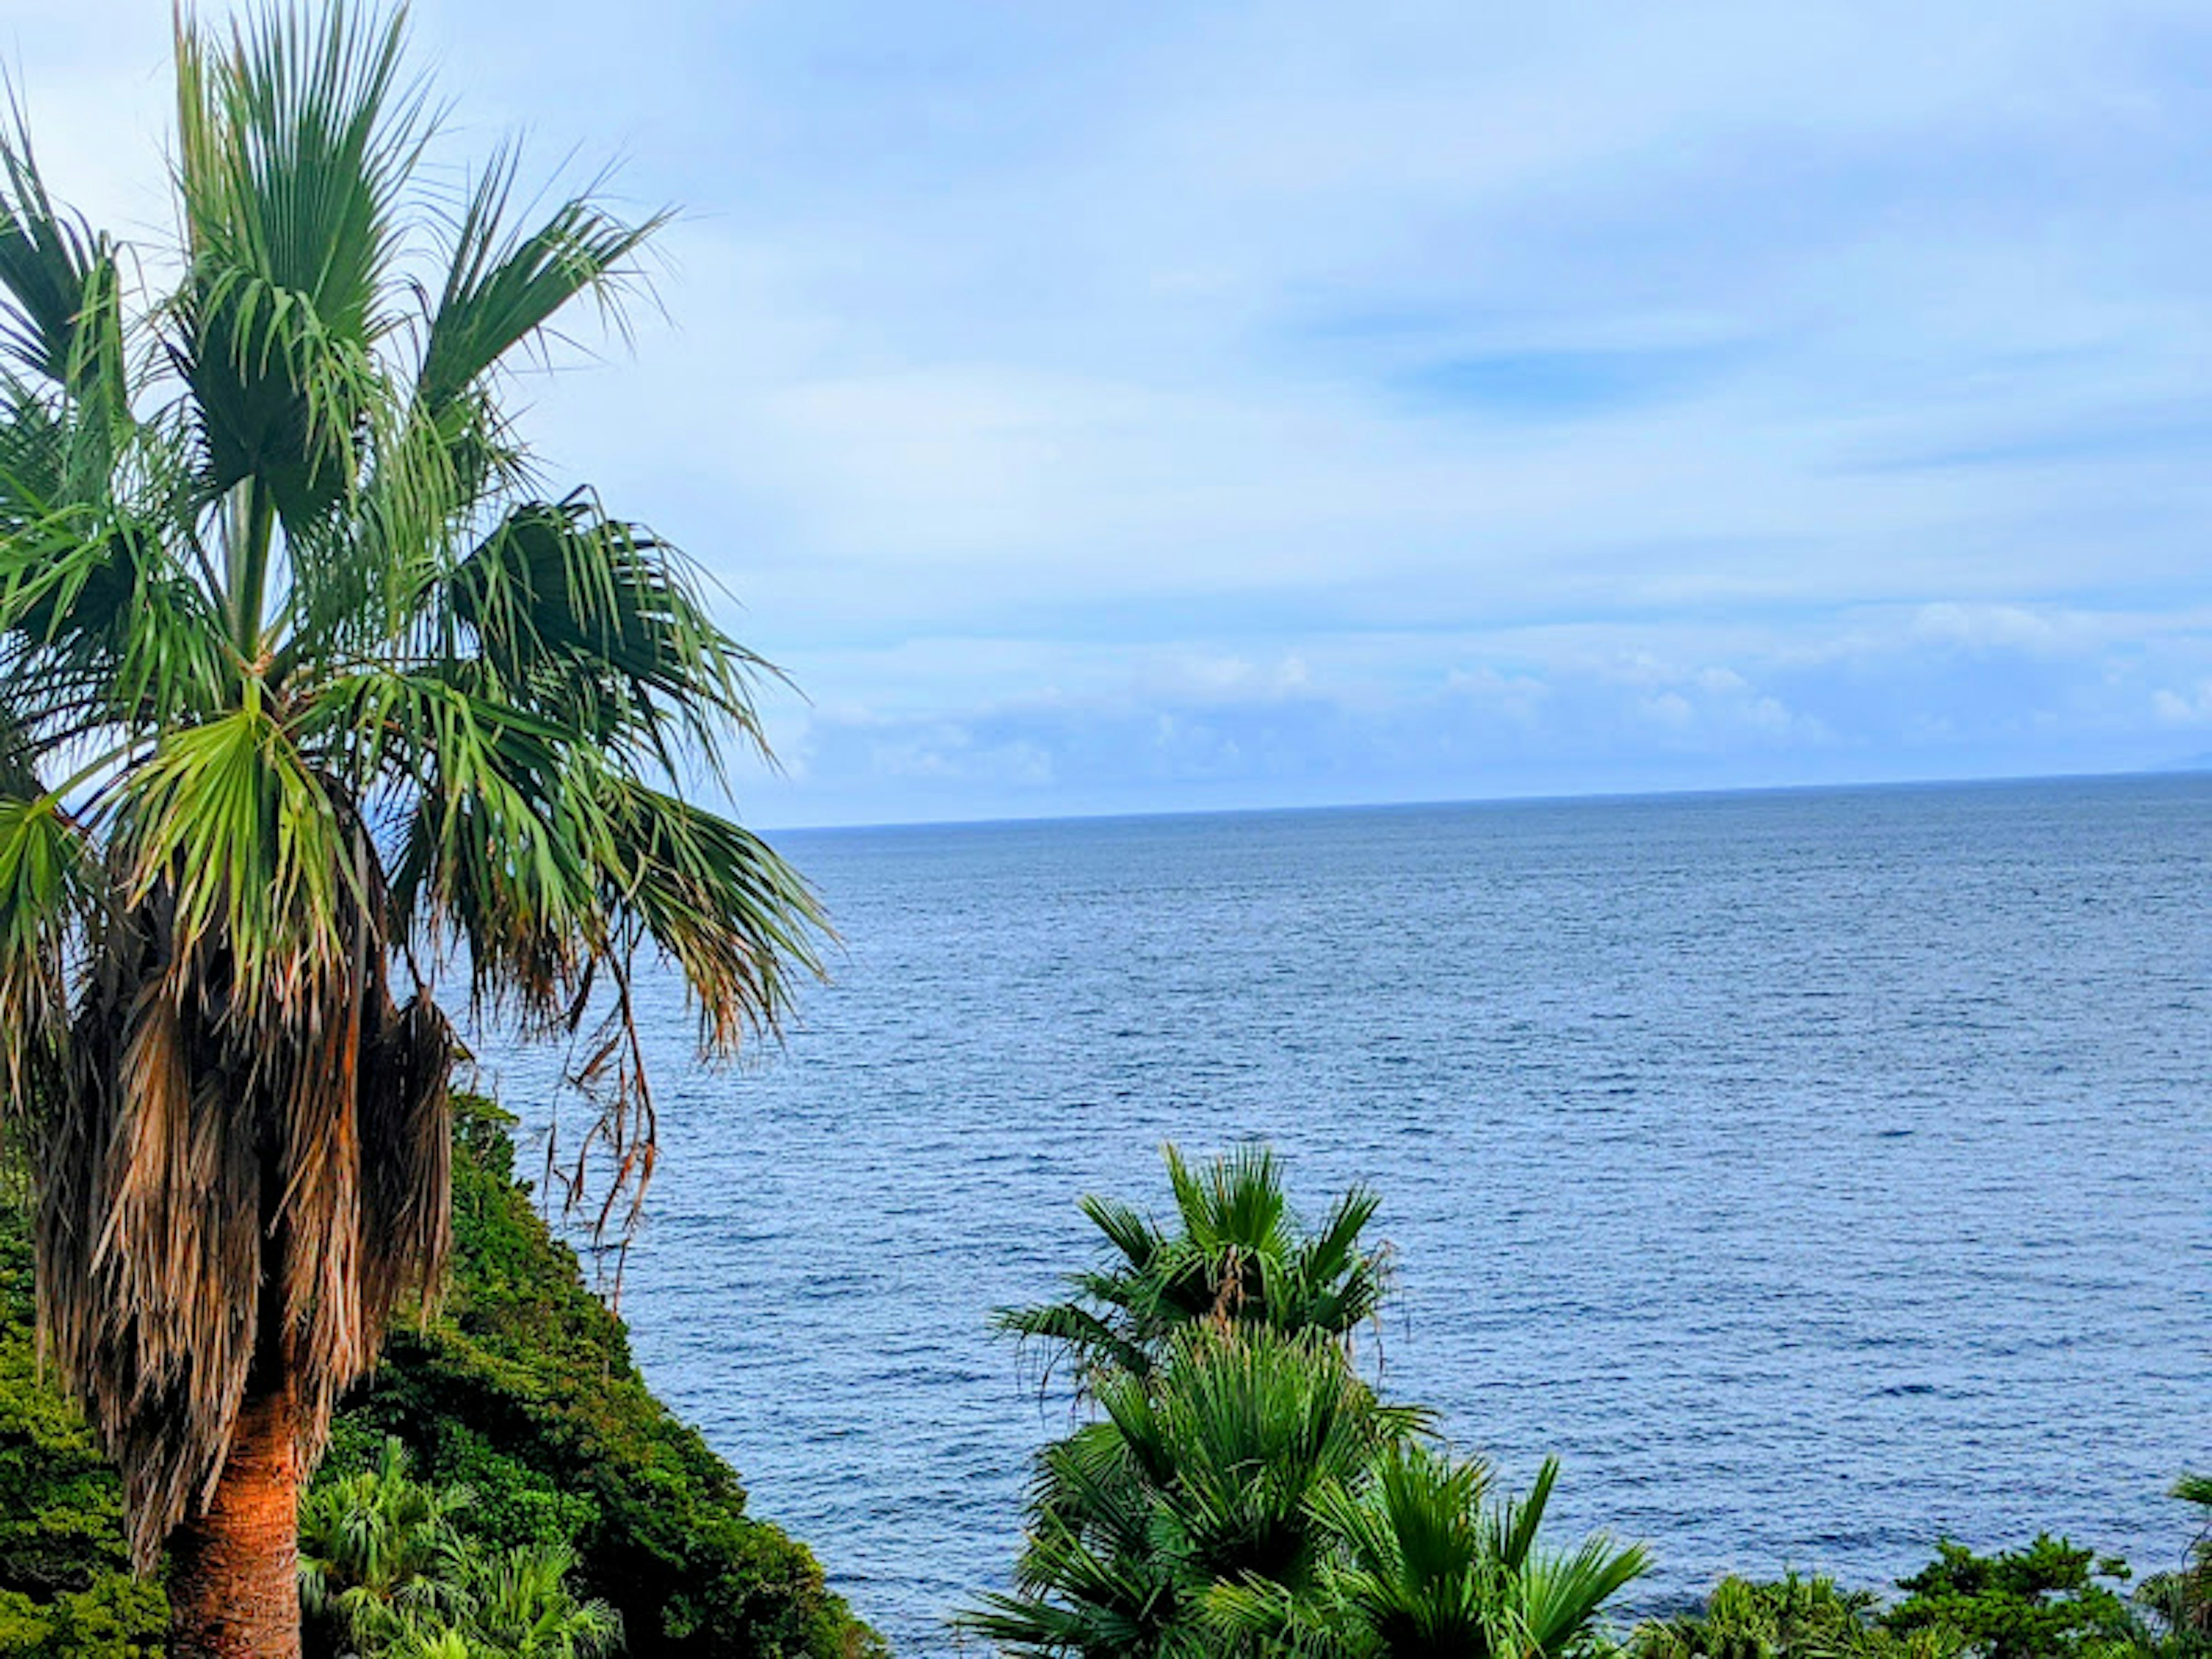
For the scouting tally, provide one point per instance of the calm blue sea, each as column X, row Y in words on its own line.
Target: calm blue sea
column 1814, row 1172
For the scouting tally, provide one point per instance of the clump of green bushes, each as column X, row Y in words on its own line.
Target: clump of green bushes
column 2048, row 1599
column 519, row 1388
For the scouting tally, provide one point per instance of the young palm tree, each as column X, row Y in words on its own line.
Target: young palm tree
column 1238, row 1256
column 518, row 1605
column 309, row 683
column 375, row 1543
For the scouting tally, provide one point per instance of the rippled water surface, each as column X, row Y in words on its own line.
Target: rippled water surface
column 1814, row 1171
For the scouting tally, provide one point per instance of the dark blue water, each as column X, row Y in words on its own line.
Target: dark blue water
column 1815, row 1172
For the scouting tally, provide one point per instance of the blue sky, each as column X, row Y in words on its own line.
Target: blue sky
column 1158, row 407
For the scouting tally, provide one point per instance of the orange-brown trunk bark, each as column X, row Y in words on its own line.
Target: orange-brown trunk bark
column 234, row 1573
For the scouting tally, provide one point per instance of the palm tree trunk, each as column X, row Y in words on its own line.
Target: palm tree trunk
column 234, row 1576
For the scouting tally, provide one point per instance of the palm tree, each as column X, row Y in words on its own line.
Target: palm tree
column 1202, row 1474
column 1428, row 1573
column 373, row 1541
column 1238, row 1255
column 517, row 1605
column 309, row 685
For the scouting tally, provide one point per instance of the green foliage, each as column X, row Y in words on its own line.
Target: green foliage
column 65, row 1585
column 1792, row 1618
column 521, row 1389
column 1243, row 1490
column 117, row 1618
column 2047, row 1601
column 2041, row 1602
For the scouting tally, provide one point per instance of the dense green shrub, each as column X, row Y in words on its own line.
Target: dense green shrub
column 65, row 1586
column 2046, row 1601
column 1790, row 1618
column 2041, row 1602
column 520, row 1388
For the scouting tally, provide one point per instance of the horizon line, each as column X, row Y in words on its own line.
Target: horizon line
column 2200, row 764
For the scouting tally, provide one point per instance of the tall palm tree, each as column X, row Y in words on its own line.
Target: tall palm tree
column 310, row 683
column 1238, row 1255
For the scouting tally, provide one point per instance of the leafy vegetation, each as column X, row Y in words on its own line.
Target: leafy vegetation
column 2046, row 1600
column 1242, row 1489
column 65, row 1585
column 1790, row 1618
column 2043, row 1600
column 388, row 1569
column 521, row 1391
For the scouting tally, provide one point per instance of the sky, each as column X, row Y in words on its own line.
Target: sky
column 1166, row 407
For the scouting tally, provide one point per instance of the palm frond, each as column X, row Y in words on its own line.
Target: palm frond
column 503, row 287
column 57, row 272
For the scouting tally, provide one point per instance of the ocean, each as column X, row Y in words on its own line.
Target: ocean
column 1815, row 1172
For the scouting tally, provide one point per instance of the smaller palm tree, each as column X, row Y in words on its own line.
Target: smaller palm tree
column 1238, row 1255
column 518, row 1605
column 375, row 1542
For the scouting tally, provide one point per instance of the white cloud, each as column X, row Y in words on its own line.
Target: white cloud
column 1820, row 385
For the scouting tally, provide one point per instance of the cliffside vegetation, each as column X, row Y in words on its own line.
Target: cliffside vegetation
column 520, row 1390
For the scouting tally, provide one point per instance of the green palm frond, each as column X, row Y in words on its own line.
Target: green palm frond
column 1237, row 1255
column 57, row 272
column 503, row 286
column 1426, row 1569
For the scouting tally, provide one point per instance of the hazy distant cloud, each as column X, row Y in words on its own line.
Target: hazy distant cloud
column 1111, row 407
column 1932, row 692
